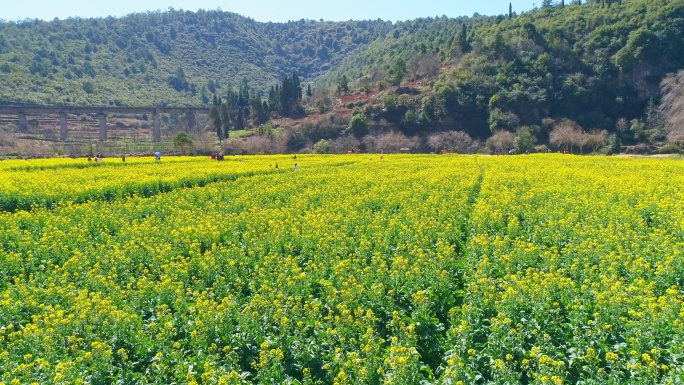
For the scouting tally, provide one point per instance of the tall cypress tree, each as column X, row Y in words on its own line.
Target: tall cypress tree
column 272, row 99
column 292, row 90
column 462, row 40
column 258, row 111
column 296, row 89
column 215, row 117
column 286, row 97
column 240, row 120
column 225, row 120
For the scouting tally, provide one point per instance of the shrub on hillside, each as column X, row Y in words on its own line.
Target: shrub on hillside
column 344, row 144
column 390, row 142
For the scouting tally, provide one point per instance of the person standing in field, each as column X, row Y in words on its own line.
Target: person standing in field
column 296, row 167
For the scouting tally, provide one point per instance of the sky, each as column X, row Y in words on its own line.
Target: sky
column 265, row 10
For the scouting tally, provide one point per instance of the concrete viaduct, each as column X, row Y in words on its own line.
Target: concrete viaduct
column 102, row 112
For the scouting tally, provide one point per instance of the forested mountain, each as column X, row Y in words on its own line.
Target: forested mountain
column 588, row 67
column 173, row 57
column 595, row 63
column 409, row 42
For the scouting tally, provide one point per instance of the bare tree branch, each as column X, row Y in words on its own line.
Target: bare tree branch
column 672, row 105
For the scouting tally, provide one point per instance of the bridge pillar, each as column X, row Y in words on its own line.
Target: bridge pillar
column 62, row 127
column 23, row 127
column 156, row 129
column 103, row 127
column 191, row 120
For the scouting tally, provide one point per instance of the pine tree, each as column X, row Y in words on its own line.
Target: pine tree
column 343, row 85
column 510, row 11
column 399, row 71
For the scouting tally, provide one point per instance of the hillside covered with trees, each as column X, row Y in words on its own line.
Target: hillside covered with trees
column 171, row 58
column 583, row 75
column 599, row 64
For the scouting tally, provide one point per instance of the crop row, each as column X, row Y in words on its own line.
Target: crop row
column 28, row 184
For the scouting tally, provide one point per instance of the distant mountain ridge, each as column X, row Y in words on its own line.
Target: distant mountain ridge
column 172, row 57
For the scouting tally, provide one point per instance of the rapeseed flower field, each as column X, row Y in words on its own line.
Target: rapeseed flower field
column 541, row 269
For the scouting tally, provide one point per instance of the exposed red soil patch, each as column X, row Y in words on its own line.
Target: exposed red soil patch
column 361, row 96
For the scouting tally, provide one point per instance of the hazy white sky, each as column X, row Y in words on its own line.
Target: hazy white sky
column 265, row 10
